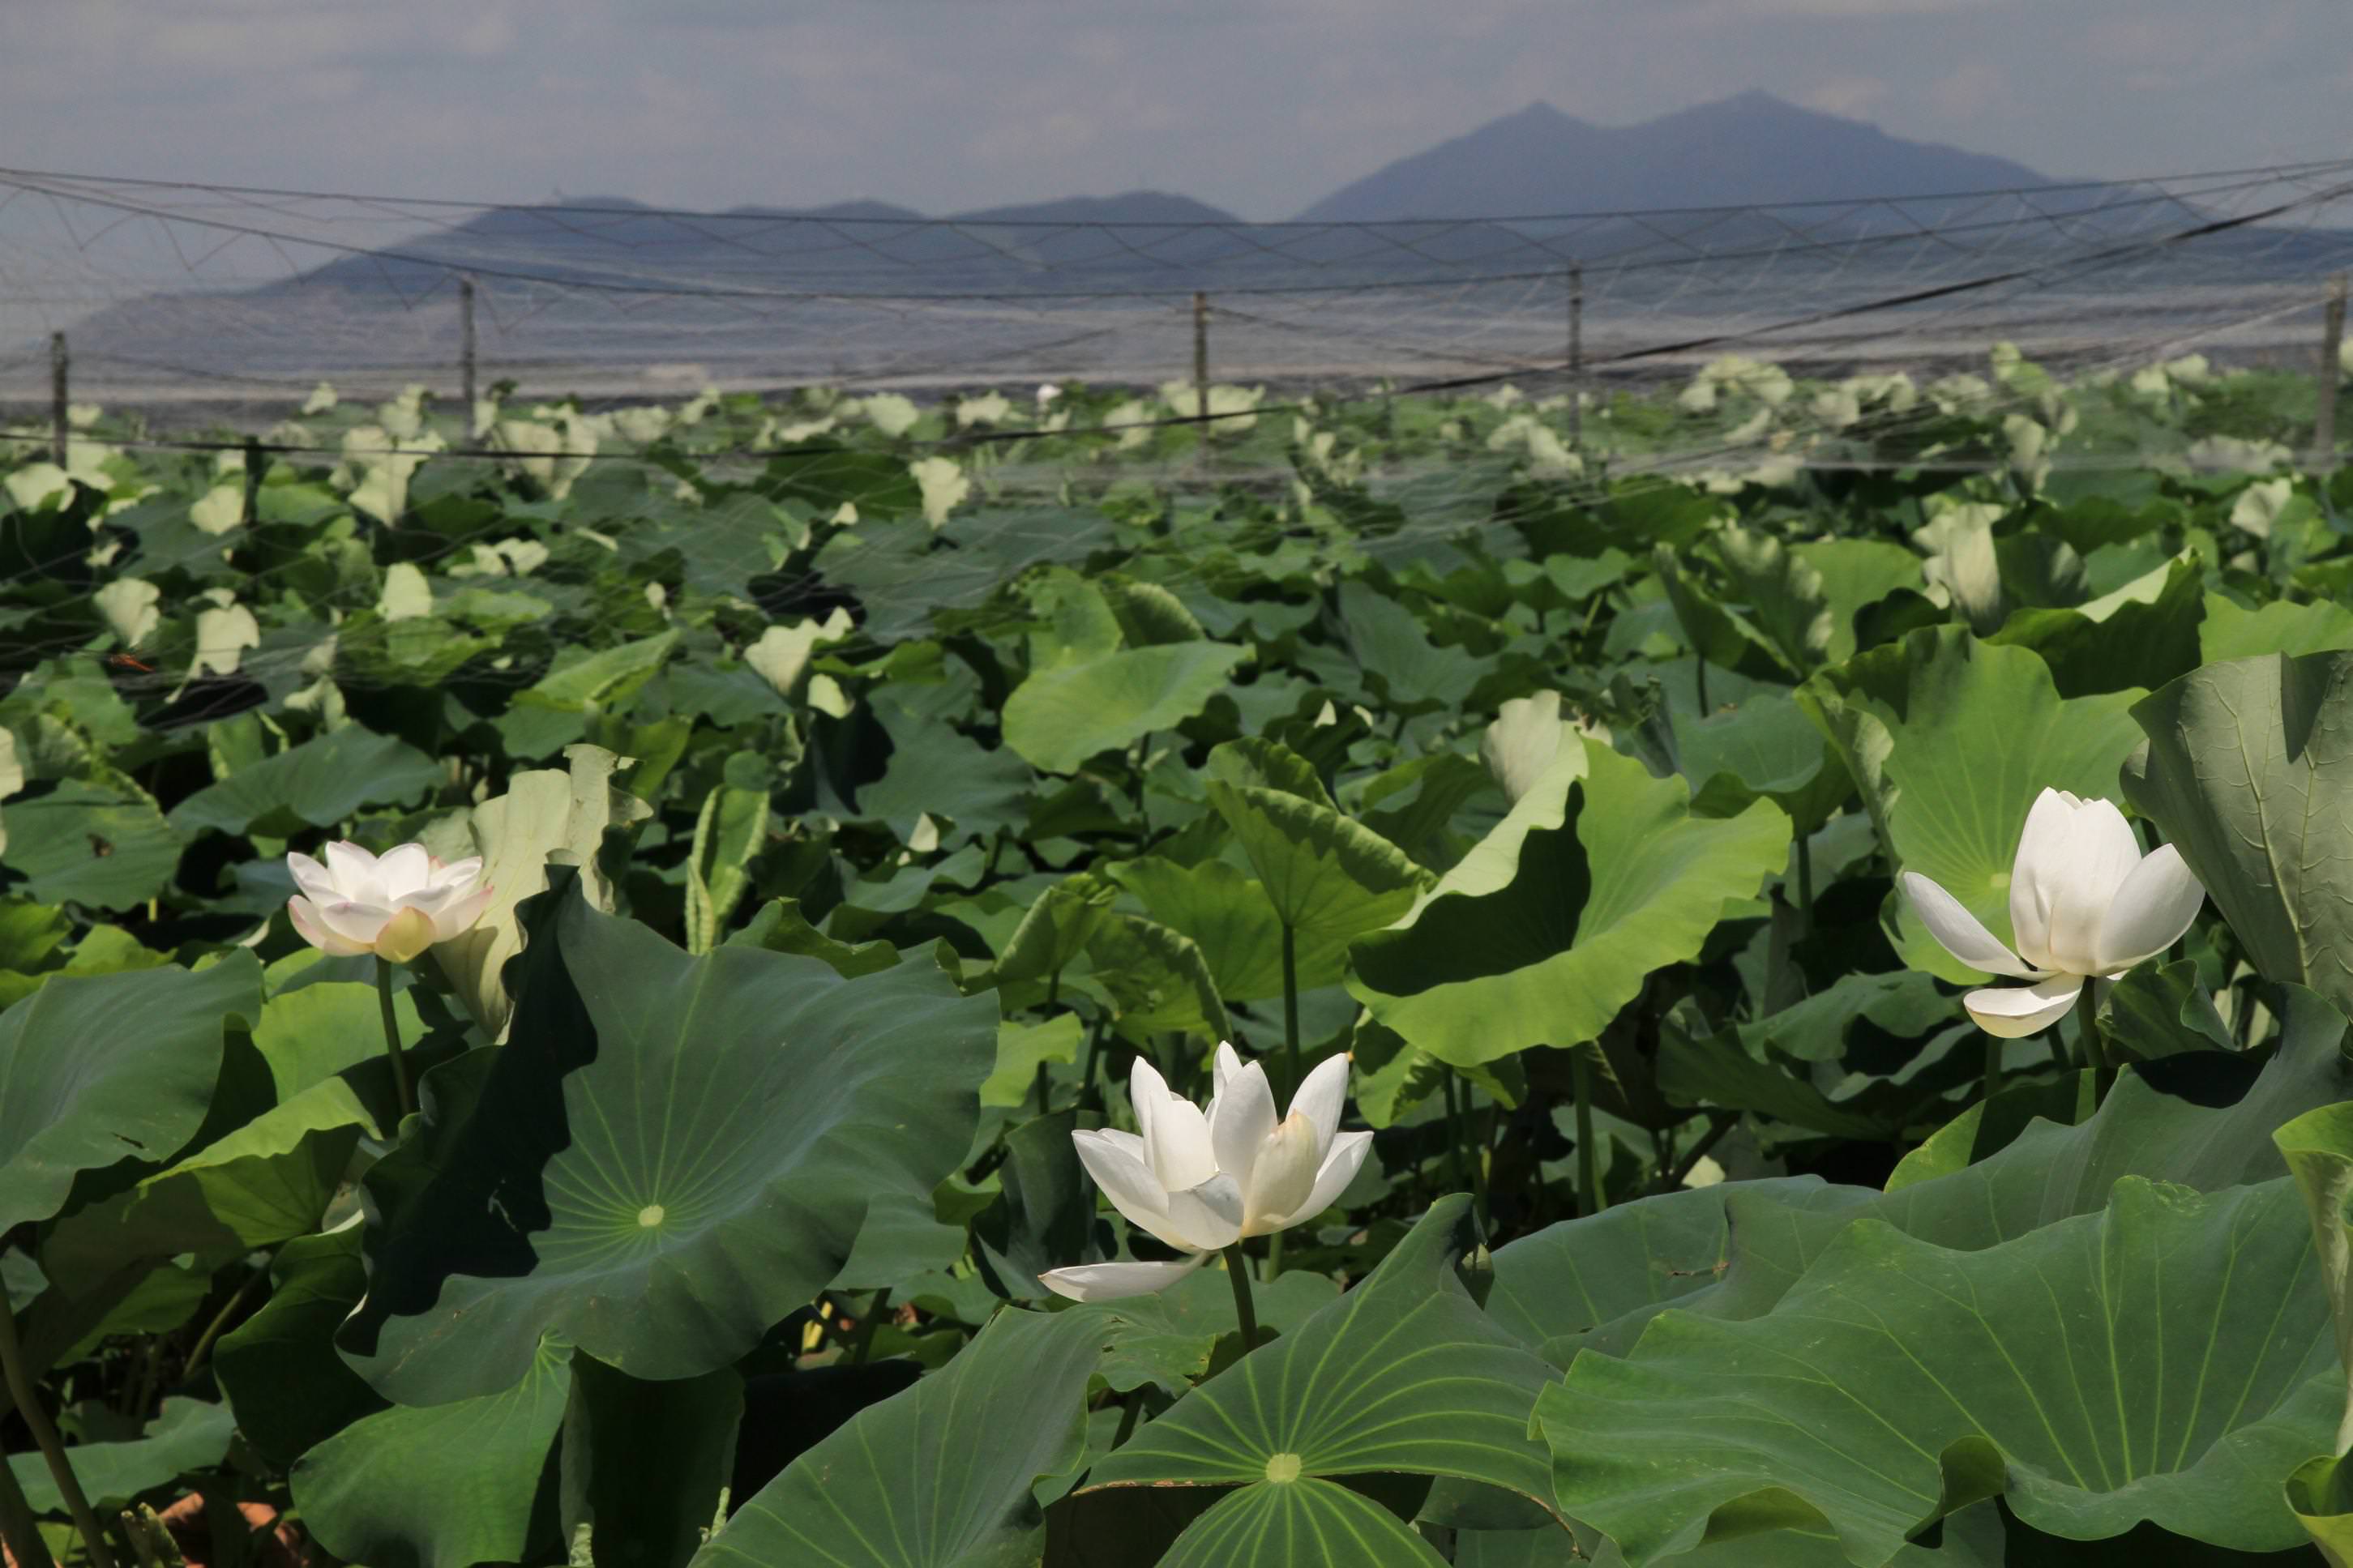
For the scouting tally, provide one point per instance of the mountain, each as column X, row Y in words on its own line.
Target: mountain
column 1753, row 149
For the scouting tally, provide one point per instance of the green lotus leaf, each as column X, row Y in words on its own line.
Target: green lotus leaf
column 1230, row 918
column 544, row 813
column 2143, row 633
column 1328, row 876
column 447, row 1486
column 645, row 1463
column 1950, row 740
column 279, row 1368
column 1154, row 977
column 940, row 1475
column 186, row 1435
column 2202, row 1122
column 1056, row 928
column 318, row 784
column 2249, row 771
column 98, row 1071
column 1402, row 1374
column 1301, row 1519
column 2229, row 632
column 1628, row 882
column 670, row 1155
column 105, row 846
column 1064, row 714
column 2139, row 1363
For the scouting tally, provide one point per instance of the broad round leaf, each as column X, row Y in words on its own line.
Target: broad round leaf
column 1404, row 1373
column 670, row 1155
column 2250, row 772
column 2142, row 1363
column 1950, row 740
column 1061, row 716
column 1631, row 881
column 95, row 1070
column 940, row 1475
column 315, row 784
column 446, row 1487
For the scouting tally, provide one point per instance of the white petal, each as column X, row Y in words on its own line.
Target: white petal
column 1110, row 1281
column 1223, row 1067
column 1962, row 933
column 1125, row 1181
column 1176, row 1134
column 1340, row 1167
column 405, row 870
column 313, row 878
column 1282, row 1176
column 350, row 868
column 457, row 873
column 1207, row 1217
column 2014, row 1012
column 1322, row 1097
column 2041, row 848
column 315, row 931
column 354, row 920
column 459, row 917
column 1241, row 1118
column 2100, row 853
column 2150, row 911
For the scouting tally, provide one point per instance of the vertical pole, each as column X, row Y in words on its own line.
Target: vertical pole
column 1576, row 355
column 2332, row 342
column 253, row 461
column 1202, row 358
column 58, row 420
column 466, row 349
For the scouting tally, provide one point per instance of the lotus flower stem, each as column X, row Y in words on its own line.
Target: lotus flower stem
column 1130, row 1412
column 1992, row 1068
column 2087, row 1027
column 1589, row 1179
column 1699, row 679
column 45, row 1435
column 1805, row 887
column 400, row 1089
column 18, row 1530
column 1090, row 1093
column 875, row 1311
column 1291, row 1006
column 1454, row 1131
column 1238, row 1270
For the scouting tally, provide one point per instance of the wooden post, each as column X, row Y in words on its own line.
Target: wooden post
column 59, row 421
column 1202, row 357
column 2332, row 344
column 1576, row 355
column 253, row 461
column 466, row 349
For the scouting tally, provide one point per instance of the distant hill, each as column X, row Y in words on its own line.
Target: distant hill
column 1749, row 149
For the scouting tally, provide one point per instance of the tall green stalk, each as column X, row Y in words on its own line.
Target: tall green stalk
column 2087, row 1030
column 45, row 1435
column 1589, row 1168
column 1805, row 887
column 401, row 1092
column 1245, row 1312
column 1291, row 1062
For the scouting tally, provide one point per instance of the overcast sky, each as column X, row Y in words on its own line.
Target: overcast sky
column 1261, row 106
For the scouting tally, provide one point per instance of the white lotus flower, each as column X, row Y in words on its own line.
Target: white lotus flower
column 395, row 907
column 1202, row 1180
column 2085, row 904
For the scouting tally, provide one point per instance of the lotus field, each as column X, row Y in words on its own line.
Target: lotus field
column 1367, row 984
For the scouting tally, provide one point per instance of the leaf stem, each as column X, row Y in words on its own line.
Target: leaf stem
column 19, row 1531
column 1992, row 1068
column 1245, row 1313
column 401, row 1093
column 875, row 1311
column 2087, row 1029
column 1290, row 1005
column 45, row 1435
column 1454, row 1131
column 220, row 1320
column 1805, row 886
column 1589, row 1180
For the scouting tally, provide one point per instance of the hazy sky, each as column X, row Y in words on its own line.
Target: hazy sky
column 1261, row 106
